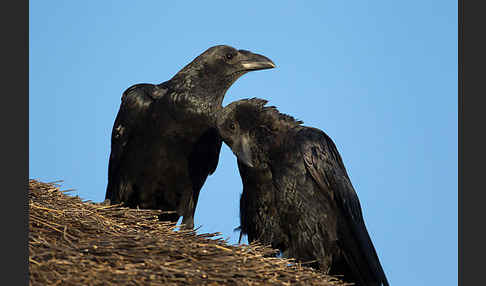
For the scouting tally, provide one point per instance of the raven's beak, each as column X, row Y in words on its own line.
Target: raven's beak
column 252, row 62
column 242, row 150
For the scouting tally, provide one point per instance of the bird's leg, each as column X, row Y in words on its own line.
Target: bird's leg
column 188, row 221
column 188, row 216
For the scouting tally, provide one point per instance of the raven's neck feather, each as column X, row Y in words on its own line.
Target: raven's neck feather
column 197, row 88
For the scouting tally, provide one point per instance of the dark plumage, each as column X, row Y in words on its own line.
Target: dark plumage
column 297, row 195
column 164, row 141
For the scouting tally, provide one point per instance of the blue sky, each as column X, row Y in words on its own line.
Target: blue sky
column 379, row 77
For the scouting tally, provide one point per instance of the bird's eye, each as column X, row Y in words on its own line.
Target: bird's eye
column 229, row 56
column 232, row 126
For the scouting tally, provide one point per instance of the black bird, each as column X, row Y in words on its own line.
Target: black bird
column 297, row 195
column 164, row 141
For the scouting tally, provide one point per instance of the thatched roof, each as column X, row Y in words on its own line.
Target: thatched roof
column 72, row 242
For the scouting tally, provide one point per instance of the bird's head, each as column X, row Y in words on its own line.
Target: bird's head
column 252, row 130
column 217, row 68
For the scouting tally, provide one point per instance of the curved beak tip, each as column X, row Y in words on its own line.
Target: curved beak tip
column 243, row 158
column 256, row 62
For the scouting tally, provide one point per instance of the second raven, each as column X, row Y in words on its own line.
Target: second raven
column 297, row 195
column 164, row 142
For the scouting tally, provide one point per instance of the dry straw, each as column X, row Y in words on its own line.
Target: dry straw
column 72, row 242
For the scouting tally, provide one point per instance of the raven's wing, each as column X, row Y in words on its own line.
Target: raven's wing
column 324, row 163
column 204, row 159
column 133, row 112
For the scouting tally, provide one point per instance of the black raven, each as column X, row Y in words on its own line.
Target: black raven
column 297, row 195
column 164, row 141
